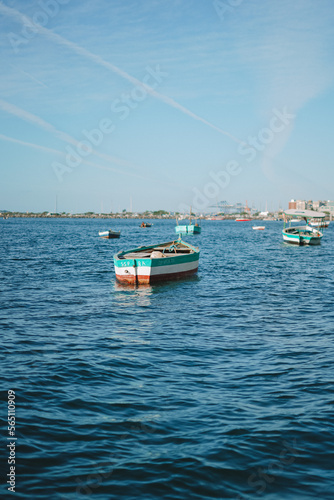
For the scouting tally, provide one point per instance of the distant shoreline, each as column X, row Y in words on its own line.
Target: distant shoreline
column 32, row 215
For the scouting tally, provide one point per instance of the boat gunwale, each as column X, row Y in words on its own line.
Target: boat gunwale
column 299, row 230
column 120, row 255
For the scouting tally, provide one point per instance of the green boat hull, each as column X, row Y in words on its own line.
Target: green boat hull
column 164, row 261
column 190, row 229
column 301, row 236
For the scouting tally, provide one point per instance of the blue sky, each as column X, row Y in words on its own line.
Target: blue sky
column 104, row 104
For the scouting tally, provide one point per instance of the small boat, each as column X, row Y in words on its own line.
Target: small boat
column 145, row 224
column 164, row 261
column 216, row 217
column 110, row 234
column 322, row 224
column 301, row 235
column 242, row 219
column 259, row 228
column 188, row 228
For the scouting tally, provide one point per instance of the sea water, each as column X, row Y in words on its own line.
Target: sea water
column 218, row 386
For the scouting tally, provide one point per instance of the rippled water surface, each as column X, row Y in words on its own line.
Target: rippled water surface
column 219, row 386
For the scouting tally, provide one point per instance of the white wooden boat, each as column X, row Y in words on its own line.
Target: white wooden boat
column 110, row 234
column 320, row 224
column 216, row 217
column 301, row 235
column 164, row 261
column 259, row 228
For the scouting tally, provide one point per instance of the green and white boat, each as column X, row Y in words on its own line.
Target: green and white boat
column 302, row 235
column 164, row 261
column 188, row 228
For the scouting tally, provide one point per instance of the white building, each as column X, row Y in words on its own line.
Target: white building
column 300, row 205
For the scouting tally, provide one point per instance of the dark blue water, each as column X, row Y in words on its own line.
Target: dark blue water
column 220, row 386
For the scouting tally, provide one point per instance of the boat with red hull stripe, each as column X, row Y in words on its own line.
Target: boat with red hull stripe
column 165, row 261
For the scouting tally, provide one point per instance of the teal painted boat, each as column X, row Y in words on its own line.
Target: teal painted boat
column 301, row 235
column 164, row 261
column 187, row 228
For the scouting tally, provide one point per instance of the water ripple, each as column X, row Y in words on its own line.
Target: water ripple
column 216, row 387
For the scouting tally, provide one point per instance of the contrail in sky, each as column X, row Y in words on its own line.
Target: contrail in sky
column 31, row 145
column 36, row 120
column 15, row 14
column 29, row 76
column 61, row 153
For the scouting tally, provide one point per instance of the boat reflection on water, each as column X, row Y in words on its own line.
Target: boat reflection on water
column 133, row 320
column 129, row 296
column 136, row 320
column 148, row 289
column 131, row 292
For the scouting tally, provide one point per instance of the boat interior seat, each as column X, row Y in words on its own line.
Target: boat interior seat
column 135, row 255
column 146, row 254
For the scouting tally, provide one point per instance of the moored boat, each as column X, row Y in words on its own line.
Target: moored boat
column 110, row 234
column 242, row 219
column 188, row 228
column 322, row 224
column 259, row 228
column 216, row 217
column 145, row 224
column 164, row 261
column 302, row 235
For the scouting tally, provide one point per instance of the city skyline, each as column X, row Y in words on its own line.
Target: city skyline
column 222, row 207
column 170, row 104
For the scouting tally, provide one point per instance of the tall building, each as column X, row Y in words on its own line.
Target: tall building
column 292, row 205
column 300, row 205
